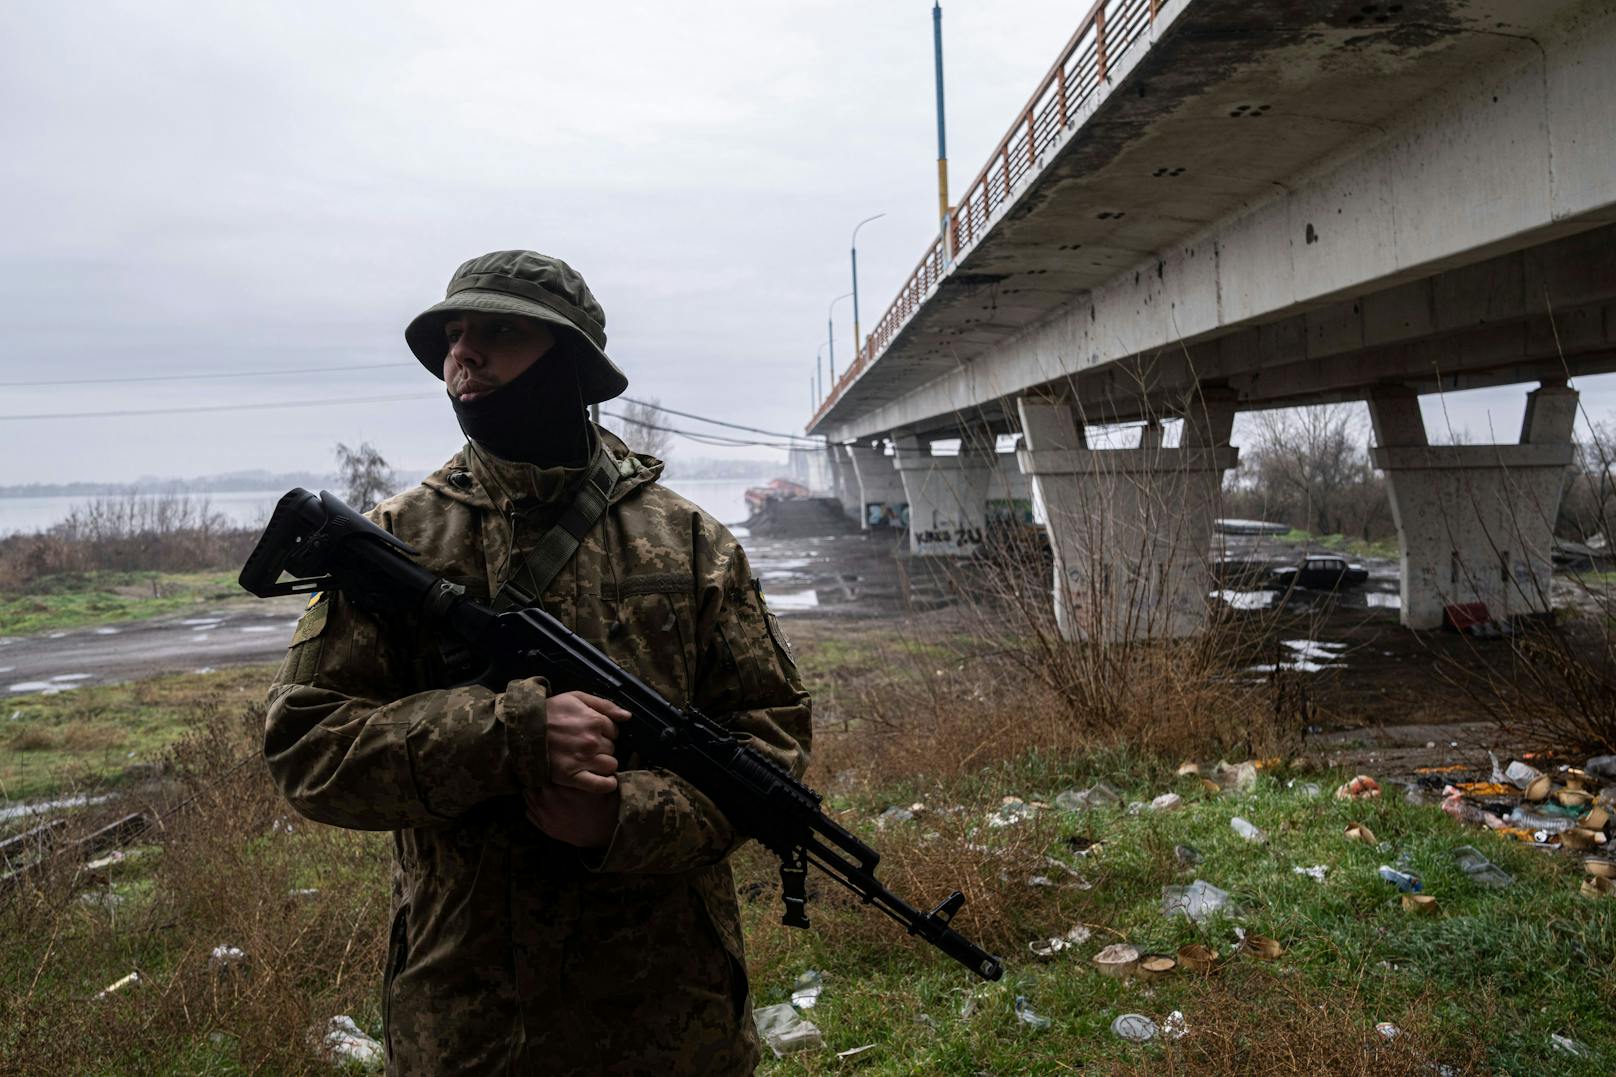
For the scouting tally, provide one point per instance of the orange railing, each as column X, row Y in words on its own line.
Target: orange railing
column 1109, row 28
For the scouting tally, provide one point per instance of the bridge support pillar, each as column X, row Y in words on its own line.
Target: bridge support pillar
column 882, row 502
column 844, row 481
column 1475, row 523
column 1131, row 529
column 947, row 495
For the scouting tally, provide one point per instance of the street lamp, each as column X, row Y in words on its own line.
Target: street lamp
column 853, row 248
column 819, row 373
column 830, row 334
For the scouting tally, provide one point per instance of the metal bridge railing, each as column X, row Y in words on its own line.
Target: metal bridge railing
column 1108, row 29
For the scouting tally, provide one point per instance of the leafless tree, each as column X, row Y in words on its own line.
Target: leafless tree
column 644, row 427
column 1311, row 467
column 366, row 477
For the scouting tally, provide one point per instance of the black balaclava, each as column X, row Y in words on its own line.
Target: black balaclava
column 536, row 418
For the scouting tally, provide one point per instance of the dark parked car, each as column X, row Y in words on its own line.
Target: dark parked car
column 1321, row 572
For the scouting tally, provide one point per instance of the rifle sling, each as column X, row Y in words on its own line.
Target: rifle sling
column 550, row 554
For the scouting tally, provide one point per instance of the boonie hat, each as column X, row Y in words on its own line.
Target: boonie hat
column 532, row 285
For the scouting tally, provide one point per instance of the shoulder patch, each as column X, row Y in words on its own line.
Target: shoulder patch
column 312, row 623
column 315, row 599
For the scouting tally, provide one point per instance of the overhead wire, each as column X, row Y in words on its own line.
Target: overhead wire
column 202, row 376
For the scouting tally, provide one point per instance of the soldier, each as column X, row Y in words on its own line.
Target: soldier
column 556, row 909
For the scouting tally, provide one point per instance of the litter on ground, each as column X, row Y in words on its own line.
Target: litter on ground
column 1198, row 901
column 785, row 1030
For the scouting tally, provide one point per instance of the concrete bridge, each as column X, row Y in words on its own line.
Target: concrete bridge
column 1215, row 205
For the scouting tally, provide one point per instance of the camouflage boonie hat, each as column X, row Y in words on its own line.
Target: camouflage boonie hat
column 535, row 286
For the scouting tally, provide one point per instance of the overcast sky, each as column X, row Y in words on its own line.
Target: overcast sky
column 249, row 187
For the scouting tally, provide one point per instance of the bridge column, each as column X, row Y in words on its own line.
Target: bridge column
column 1475, row 523
column 1130, row 528
column 882, row 502
column 947, row 495
column 844, row 481
column 1010, row 494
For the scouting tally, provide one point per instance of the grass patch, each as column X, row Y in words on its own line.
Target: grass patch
column 1356, row 547
column 101, row 735
column 94, row 598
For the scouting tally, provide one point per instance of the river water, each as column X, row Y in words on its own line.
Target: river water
column 724, row 498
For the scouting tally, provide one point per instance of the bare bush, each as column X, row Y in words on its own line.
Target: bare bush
column 134, row 533
column 643, row 426
column 367, row 479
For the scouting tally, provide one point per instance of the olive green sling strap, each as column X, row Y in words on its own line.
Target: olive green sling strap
column 544, row 562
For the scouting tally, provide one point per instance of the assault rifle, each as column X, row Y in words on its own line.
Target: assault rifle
column 322, row 544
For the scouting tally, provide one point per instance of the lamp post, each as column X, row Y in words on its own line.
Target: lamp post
column 819, row 374
column 830, row 334
column 942, row 138
column 858, row 342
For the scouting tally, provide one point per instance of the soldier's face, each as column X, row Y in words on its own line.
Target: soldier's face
column 487, row 351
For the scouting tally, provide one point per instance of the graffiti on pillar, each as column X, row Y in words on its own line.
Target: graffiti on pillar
column 1009, row 510
column 886, row 514
column 949, row 540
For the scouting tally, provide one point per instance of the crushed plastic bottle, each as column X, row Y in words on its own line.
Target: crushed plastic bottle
column 1026, row 1015
column 1247, row 830
column 1199, row 901
column 1405, row 881
column 1481, row 871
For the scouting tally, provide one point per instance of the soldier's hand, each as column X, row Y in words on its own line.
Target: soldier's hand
column 581, row 737
column 586, row 820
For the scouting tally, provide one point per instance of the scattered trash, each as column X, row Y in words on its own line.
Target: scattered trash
column 1577, row 838
column 1174, row 1028
column 892, row 815
column 1602, row 767
column 344, row 1042
column 1363, row 787
column 225, row 960
column 1187, row 855
column 1077, row 877
column 785, row 1030
column 1388, row 1030
column 1308, row 789
column 1538, row 788
column 1454, row 804
column 852, row 1052
column 1012, row 811
column 1600, row 866
column 1197, row 958
column 1359, row 832
column 1155, row 966
column 307, row 893
column 1098, row 795
column 1119, row 959
column 1026, row 1015
column 1134, row 1027
column 1532, row 820
column 1241, row 776
column 1187, row 769
column 1598, row 886
column 1315, row 872
column 117, row 856
column 1051, row 946
column 1247, row 830
column 1519, row 774
column 103, row 898
column 1575, row 1048
column 1406, row 882
column 1198, row 901
column 118, row 985
column 1261, row 947
column 1597, row 818
column 1422, row 904
column 805, row 990
column 1482, row 872
column 1167, row 802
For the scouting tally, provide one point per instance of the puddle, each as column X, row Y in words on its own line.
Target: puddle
column 261, row 628
column 1312, row 648
column 1247, row 600
column 1379, row 600
column 38, row 807
column 202, row 622
column 794, row 600
column 60, row 677
column 44, row 688
column 57, row 635
column 106, row 631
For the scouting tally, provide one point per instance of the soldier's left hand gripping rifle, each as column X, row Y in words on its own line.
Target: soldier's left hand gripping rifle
column 319, row 543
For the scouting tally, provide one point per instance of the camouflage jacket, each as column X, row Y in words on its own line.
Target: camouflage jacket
column 511, row 952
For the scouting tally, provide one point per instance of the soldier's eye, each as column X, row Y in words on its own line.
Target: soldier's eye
column 453, row 333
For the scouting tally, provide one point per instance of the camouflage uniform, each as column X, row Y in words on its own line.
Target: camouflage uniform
column 511, row 952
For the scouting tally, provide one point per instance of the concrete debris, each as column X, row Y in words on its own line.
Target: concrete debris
column 785, row 1030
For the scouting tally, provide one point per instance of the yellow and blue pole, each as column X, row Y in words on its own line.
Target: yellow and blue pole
column 942, row 137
